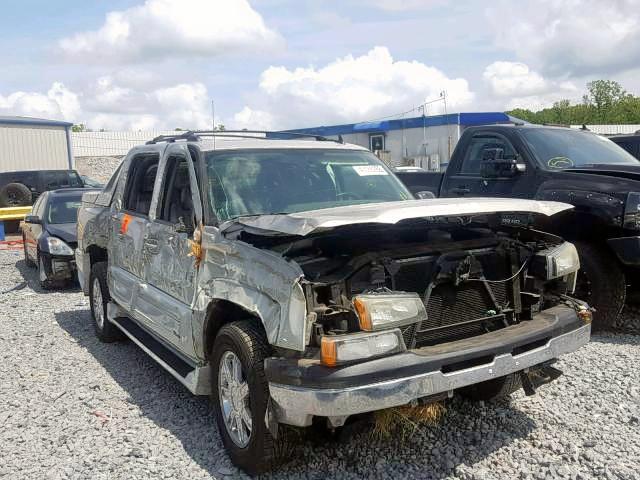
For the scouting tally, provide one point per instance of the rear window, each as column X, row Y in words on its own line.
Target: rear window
column 63, row 209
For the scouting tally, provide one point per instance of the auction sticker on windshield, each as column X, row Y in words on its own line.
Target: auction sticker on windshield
column 368, row 170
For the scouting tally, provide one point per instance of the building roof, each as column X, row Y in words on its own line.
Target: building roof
column 15, row 120
column 464, row 119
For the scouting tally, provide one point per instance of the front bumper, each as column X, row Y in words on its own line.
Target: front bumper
column 302, row 389
column 59, row 267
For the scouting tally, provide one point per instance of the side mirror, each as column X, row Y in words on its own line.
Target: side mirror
column 424, row 195
column 501, row 168
column 32, row 219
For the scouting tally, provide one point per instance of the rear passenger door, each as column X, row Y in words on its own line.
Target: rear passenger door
column 129, row 218
column 170, row 269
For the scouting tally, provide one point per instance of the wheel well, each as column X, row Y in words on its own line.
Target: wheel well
column 219, row 313
column 96, row 254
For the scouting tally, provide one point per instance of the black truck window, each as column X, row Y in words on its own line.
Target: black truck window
column 139, row 187
column 478, row 148
column 176, row 204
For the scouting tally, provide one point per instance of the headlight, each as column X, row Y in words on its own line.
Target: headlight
column 556, row 261
column 378, row 311
column 58, row 247
column 631, row 219
column 339, row 349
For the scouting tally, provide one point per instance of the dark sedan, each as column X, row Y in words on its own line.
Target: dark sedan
column 49, row 236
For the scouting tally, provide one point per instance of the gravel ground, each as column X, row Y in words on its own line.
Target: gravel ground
column 98, row 168
column 71, row 407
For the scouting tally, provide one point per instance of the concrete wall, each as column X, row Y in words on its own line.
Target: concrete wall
column 26, row 147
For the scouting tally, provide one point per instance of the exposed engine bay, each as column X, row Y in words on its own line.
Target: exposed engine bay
column 472, row 276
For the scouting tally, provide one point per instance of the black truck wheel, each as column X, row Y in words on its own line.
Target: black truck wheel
column 98, row 300
column 240, row 393
column 15, row 195
column 601, row 283
column 493, row 389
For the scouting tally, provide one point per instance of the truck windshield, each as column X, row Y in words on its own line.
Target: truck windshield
column 63, row 210
column 565, row 148
column 261, row 182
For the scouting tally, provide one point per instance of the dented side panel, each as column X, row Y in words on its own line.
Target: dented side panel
column 259, row 281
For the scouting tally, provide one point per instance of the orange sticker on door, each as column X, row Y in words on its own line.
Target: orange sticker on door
column 124, row 226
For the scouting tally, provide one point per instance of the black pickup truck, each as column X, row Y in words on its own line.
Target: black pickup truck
column 578, row 167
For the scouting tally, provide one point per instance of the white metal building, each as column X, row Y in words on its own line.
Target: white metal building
column 426, row 142
column 34, row 144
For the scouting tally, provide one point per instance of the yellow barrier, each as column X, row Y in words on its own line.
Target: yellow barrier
column 14, row 213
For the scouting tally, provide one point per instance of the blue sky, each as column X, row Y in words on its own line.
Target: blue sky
column 127, row 64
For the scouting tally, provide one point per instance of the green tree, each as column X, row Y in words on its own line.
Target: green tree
column 80, row 127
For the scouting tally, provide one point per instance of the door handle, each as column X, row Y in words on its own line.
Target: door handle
column 461, row 190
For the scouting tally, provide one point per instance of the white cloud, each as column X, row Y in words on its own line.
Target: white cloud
column 59, row 103
column 253, row 119
column 163, row 28
column 107, row 104
column 569, row 37
column 514, row 84
column 351, row 89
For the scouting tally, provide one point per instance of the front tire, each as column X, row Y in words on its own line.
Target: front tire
column 99, row 298
column 602, row 284
column 27, row 261
column 240, row 394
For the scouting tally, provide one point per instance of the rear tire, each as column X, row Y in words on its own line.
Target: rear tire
column 601, row 283
column 243, row 340
column 15, row 195
column 494, row 389
column 99, row 298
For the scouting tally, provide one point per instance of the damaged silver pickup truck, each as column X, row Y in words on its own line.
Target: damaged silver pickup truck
column 296, row 280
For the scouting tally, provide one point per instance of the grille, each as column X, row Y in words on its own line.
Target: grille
column 459, row 312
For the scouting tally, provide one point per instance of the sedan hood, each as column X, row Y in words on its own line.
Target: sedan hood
column 304, row 223
column 64, row 231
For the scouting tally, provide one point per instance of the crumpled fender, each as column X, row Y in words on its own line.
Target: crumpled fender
column 259, row 281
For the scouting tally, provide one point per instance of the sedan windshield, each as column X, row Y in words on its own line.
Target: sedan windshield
column 261, row 182
column 565, row 148
column 63, row 210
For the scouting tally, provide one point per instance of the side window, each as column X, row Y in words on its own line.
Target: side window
column 38, row 208
column 176, row 204
column 483, row 147
column 139, row 188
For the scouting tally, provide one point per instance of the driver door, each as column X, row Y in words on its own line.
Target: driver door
column 170, row 270
column 468, row 182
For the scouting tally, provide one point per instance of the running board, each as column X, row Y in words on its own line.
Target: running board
column 195, row 378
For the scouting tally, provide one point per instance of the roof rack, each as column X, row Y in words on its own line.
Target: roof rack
column 195, row 136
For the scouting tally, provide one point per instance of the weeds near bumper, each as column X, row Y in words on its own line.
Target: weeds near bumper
column 405, row 420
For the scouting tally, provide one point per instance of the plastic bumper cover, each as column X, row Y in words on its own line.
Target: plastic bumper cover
column 433, row 370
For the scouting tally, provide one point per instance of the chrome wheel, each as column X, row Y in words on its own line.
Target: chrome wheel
column 98, row 307
column 234, row 399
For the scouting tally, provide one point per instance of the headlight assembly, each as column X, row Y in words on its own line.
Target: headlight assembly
column 379, row 311
column 556, row 262
column 631, row 219
column 58, row 247
column 340, row 349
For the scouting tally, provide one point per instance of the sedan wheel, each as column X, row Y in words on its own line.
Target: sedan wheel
column 97, row 300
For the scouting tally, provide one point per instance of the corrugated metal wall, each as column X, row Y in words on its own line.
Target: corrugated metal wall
column 26, row 147
column 97, row 144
